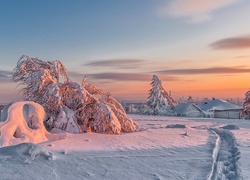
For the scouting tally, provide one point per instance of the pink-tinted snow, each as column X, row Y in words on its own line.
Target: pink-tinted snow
column 155, row 152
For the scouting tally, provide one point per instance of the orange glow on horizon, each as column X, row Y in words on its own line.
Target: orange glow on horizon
column 223, row 87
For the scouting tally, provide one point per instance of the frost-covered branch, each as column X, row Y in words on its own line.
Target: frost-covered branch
column 70, row 106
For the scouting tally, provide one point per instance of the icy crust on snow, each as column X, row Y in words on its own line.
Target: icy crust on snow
column 23, row 122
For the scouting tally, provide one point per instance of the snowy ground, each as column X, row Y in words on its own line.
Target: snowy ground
column 165, row 148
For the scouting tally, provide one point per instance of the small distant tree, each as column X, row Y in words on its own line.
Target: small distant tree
column 190, row 99
column 70, row 106
column 205, row 99
column 246, row 106
column 159, row 102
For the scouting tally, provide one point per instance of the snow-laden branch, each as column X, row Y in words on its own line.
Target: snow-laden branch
column 70, row 106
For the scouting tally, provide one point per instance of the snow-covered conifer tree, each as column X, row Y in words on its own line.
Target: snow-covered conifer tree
column 246, row 106
column 159, row 101
column 70, row 106
column 205, row 99
column 190, row 99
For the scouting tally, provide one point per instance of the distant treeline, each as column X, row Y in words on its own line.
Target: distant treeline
column 1, row 107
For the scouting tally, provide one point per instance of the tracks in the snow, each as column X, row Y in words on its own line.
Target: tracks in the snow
column 225, row 157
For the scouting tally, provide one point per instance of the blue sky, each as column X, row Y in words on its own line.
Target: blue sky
column 116, row 41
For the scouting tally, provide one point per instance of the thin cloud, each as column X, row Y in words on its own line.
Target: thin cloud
column 105, row 82
column 194, row 10
column 214, row 70
column 232, row 43
column 76, row 74
column 128, row 76
column 226, row 75
column 241, row 57
column 5, row 76
column 4, row 73
column 185, row 61
column 118, row 63
column 5, row 80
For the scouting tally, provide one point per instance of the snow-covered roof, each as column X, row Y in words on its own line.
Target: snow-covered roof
column 218, row 104
column 181, row 108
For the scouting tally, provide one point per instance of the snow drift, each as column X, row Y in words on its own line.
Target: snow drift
column 26, row 150
column 23, row 122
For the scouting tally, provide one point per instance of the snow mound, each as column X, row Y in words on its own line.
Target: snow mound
column 176, row 126
column 26, row 149
column 23, row 122
column 66, row 121
column 230, row 127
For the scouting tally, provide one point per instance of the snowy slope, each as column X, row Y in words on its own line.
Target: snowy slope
column 165, row 148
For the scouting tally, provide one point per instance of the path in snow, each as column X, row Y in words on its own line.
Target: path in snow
column 226, row 156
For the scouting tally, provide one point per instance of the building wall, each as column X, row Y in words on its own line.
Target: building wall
column 192, row 111
column 228, row 114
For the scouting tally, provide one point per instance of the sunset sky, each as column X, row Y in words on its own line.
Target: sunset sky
column 196, row 47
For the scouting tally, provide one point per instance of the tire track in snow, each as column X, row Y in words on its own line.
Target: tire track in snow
column 225, row 157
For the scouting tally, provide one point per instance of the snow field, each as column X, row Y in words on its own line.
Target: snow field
column 155, row 152
column 243, row 143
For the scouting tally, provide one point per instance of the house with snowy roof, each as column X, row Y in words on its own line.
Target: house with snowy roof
column 189, row 110
column 218, row 108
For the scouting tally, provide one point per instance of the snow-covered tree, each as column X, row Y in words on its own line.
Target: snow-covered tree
column 246, row 106
column 159, row 102
column 205, row 99
column 190, row 99
column 70, row 106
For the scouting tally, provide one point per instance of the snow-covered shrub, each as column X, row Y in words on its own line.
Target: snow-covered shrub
column 132, row 109
column 159, row 102
column 190, row 99
column 246, row 106
column 70, row 106
column 137, row 108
